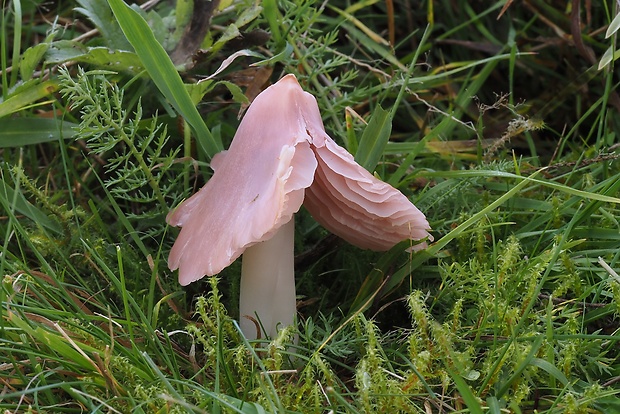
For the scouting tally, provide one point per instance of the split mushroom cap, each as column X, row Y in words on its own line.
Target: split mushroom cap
column 352, row 203
column 281, row 157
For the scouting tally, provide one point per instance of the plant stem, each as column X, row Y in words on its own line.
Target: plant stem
column 268, row 284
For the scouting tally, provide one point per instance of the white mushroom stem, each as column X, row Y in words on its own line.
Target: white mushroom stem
column 268, row 284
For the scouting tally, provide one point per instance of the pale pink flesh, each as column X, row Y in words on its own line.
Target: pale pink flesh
column 257, row 186
column 279, row 158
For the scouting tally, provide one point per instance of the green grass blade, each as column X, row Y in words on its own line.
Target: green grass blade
column 374, row 139
column 161, row 69
column 447, row 125
column 466, row 393
column 521, row 367
column 4, row 52
column 531, row 179
column 272, row 15
column 440, row 244
column 17, row 40
column 551, row 370
column 494, row 407
column 28, row 94
column 17, row 132
column 100, row 14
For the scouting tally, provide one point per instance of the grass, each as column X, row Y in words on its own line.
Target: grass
column 498, row 124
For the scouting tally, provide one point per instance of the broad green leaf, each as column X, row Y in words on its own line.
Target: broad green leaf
column 17, row 132
column 374, row 139
column 493, row 404
column 198, row 90
column 248, row 15
column 284, row 54
column 162, row 71
column 160, row 27
column 231, row 32
column 246, row 407
column 26, row 95
column 99, row 12
column 236, row 92
column 31, row 58
column 116, row 60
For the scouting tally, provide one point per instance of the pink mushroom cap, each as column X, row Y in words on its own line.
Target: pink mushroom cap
column 281, row 157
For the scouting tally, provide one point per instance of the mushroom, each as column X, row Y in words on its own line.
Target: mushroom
column 280, row 158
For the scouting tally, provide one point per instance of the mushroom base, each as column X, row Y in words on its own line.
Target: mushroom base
column 268, row 285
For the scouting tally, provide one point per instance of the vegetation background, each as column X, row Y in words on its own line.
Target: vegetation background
column 500, row 120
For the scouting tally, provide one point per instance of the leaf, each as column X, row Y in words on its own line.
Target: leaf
column 613, row 26
column 374, row 139
column 551, row 370
column 31, row 58
column 466, row 393
column 26, row 94
column 99, row 12
column 494, row 407
column 183, row 14
column 198, row 90
column 609, row 56
column 17, row 132
column 162, row 71
column 284, row 54
column 273, row 17
column 246, row 407
column 56, row 343
column 229, row 60
column 116, row 60
column 230, row 33
column 248, row 15
column 376, row 278
column 236, row 92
